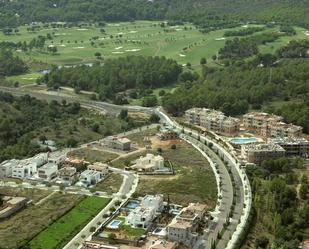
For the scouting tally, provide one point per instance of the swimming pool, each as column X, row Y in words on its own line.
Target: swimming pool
column 114, row 224
column 243, row 140
column 132, row 205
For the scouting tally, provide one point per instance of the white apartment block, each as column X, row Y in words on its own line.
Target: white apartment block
column 212, row 120
column 144, row 214
column 149, row 162
column 48, row 171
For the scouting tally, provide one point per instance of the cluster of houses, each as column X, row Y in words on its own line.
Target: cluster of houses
column 47, row 167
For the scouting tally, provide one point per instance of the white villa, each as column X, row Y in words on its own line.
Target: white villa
column 145, row 213
column 90, row 177
column 149, row 162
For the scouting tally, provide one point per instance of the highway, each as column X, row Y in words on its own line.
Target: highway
column 243, row 189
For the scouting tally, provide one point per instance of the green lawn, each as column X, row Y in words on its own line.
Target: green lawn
column 62, row 230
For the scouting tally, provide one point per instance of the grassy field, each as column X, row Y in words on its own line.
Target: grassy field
column 111, row 184
column 78, row 45
column 23, row 226
column 93, row 155
column 33, row 194
column 58, row 233
column 194, row 180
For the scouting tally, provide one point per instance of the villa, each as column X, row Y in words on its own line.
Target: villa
column 146, row 212
column 48, row 171
column 183, row 228
column 149, row 163
column 117, row 143
column 67, row 175
column 90, row 177
column 100, row 167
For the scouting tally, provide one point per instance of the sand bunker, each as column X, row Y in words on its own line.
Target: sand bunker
column 117, row 52
column 133, row 50
column 82, row 29
column 62, row 45
column 220, row 39
column 178, row 29
column 133, row 32
column 182, row 55
column 78, row 47
column 306, row 33
column 118, row 48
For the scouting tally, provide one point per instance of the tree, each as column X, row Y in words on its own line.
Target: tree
column 71, row 143
column 261, row 241
column 123, row 114
column 304, row 191
column 214, row 57
column 95, row 127
column 173, row 147
column 203, row 61
column 154, row 118
column 161, row 93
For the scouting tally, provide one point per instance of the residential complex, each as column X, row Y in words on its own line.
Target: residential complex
column 269, row 125
column 256, row 153
column 150, row 163
column 212, row 120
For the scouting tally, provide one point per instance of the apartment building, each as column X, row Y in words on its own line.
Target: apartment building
column 256, row 153
column 293, row 146
column 269, row 125
column 212, row 120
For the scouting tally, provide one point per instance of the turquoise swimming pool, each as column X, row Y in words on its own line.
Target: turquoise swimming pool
column 243, row 140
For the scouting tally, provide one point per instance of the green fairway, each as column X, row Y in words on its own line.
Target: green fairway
column 62, row 230
column 183, row 43
column 24, row 79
